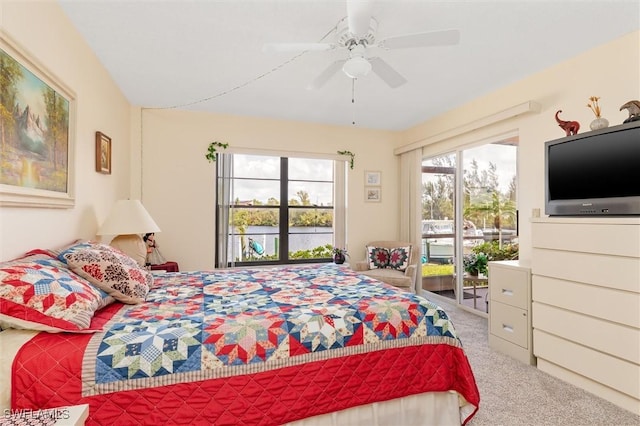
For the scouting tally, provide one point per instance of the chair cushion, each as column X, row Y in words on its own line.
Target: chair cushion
column 390, row 276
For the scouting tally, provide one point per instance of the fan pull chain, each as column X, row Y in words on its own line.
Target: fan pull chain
column 353, row 101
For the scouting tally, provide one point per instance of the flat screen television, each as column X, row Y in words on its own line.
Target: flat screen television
column 595, row 173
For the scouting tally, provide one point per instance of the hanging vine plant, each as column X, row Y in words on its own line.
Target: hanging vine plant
column 350, row 154
column 211, row 150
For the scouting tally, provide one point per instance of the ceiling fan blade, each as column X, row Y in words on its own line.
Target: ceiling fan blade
column 325, row 75
column 431, row 38
column 359, row 16
column 386, row 73
column 296, row 47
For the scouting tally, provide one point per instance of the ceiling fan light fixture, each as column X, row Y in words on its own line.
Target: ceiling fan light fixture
column 356, row 67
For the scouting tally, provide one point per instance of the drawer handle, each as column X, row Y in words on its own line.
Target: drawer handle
column 507, row 292
column 508, row 328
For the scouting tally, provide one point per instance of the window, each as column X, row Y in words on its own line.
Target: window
column 274, row 210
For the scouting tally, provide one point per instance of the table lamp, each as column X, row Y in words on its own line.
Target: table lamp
column 127, row 220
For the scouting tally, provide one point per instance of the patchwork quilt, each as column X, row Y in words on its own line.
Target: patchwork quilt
column 249, row 346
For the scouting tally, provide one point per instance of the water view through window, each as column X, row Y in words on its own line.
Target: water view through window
column 280, row 210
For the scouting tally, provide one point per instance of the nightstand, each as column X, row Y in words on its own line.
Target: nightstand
column 167, row 267
column 510, row 329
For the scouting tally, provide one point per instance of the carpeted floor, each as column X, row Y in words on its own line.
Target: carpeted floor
column 513, row 393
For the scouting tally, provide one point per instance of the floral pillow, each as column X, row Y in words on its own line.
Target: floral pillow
column 111, row 271
column 399, row 258
column 75, row 247
column 38, row 292
column 395, row 258
column 378, row 257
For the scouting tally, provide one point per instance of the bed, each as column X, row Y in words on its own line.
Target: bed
column 299, row 345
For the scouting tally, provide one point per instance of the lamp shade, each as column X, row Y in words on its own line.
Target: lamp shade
column 128, row 217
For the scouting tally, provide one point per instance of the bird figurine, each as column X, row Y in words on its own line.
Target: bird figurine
column 634, row 111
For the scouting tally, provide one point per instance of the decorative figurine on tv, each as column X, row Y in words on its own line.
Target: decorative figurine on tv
column 154, row 257
column 570, row 127
column 634, row 111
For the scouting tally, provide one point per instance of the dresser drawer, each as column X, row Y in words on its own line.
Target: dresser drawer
column 510, row 323
column 509, row 285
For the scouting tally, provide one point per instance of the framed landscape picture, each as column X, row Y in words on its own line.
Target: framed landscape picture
column 38, row 125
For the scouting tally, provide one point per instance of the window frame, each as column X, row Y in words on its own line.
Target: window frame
column 337, row 207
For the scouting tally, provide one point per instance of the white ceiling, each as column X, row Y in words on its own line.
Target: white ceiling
column 207, row 55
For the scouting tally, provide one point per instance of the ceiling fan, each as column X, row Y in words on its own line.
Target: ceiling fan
column 357, row 35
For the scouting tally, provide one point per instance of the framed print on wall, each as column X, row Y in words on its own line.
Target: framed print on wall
column 38, row 132
column 372, row 178
column 103, row 153
column 372, row 194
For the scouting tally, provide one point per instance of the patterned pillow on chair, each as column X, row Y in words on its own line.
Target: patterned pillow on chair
column 399, row 258
column 378, row 257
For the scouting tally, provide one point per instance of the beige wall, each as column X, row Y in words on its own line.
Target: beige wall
column 611, row 71
column 45, row 33
column 178, row 182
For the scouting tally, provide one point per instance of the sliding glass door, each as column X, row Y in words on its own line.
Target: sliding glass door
column 438, row 225
column 469, row 217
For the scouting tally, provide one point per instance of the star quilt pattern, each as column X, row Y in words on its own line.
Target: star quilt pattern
column 250, row 346
column 206, row 321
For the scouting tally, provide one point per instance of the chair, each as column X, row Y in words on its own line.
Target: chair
column 398, row 278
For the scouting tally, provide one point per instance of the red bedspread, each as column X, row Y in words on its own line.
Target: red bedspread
column 397, row 354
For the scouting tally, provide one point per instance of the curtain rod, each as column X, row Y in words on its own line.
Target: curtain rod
column 514, row 111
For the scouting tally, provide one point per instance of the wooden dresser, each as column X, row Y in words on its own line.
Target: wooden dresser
column 586, row 304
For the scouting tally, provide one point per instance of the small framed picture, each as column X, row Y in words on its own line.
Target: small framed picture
column 103, row 153
column 372, row 178
column 372, row 194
